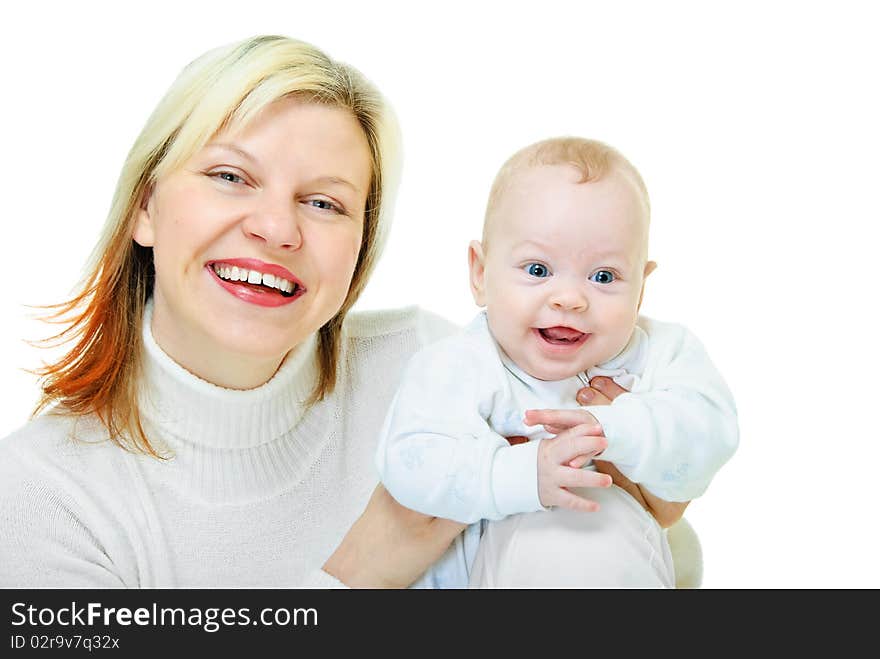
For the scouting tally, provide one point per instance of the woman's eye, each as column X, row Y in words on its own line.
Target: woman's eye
column 325, row 205
column 603, row 277
column 229, row 177
column 537, row 270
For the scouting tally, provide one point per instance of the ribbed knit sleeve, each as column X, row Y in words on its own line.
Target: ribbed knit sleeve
column 256, row 488
column 46, row 539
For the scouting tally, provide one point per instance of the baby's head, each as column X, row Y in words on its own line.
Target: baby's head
column 564, row 256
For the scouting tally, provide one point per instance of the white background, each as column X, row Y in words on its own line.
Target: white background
column 753, row 124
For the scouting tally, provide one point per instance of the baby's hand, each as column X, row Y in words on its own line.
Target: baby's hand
column 556, row 475
column 557, row 421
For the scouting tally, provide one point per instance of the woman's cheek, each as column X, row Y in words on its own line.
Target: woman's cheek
column 341, row 270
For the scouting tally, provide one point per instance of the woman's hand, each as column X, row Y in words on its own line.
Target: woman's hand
column 390, row 546
column 602, row 391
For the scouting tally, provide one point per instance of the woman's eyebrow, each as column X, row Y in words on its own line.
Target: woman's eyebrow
column 335, row 180
column 232, row 147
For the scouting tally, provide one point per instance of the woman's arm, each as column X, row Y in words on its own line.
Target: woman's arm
column 666, row 513
column 390, row 546
column 601, row 392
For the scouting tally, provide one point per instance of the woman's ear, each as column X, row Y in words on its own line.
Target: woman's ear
column 476, row 263
column 144, row 233
column 650, row 266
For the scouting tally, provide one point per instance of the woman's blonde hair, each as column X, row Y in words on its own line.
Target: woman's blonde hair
column 223, row 89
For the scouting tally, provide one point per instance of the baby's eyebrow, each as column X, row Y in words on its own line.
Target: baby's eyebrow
column 612, row 255
column 608, row 254
column 609, row 257
column 531, row 243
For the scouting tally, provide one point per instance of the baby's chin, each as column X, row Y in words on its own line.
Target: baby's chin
column 551, row 374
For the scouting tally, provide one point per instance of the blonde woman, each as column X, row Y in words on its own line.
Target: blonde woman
column 214, row 419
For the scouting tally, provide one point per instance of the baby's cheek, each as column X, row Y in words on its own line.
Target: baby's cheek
column 620, row 325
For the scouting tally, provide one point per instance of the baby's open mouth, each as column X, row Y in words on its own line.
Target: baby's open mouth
column 562, row 335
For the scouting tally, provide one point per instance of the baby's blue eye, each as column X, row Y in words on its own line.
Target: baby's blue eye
column 602, row 277
column 537, row 270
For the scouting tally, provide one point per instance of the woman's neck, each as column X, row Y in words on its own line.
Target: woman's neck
column 211, row 363
column 188, row 407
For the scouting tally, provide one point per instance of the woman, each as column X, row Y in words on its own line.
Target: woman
column 223, row 406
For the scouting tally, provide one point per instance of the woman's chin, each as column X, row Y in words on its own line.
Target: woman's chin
column 258, row 351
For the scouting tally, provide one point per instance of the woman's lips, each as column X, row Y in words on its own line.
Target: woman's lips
column 260, row 266
column 258, row 294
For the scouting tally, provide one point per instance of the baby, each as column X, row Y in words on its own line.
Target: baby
column 560, row 271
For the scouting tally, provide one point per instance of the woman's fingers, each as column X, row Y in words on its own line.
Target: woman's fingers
column 609, row 468
column 601, row 391
column 607, row 387
column 591, row 396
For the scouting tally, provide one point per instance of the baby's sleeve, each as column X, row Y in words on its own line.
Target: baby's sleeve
column 674, row 437
column 437, row 453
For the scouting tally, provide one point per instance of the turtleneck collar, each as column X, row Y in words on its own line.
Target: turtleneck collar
column 189, row 408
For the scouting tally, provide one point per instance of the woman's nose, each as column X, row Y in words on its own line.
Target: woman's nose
column 277, row 225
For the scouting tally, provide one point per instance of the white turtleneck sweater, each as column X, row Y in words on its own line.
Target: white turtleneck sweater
column 259, row 492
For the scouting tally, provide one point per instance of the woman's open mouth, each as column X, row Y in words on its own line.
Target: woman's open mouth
column 254, row 285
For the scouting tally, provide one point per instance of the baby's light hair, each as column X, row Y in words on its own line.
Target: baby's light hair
column 592, row 158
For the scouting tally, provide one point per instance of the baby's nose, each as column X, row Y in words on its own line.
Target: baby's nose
column 569, row 299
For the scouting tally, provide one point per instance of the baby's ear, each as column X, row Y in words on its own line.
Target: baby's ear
column 476, row 263
column 650, row 266
column 143, row 231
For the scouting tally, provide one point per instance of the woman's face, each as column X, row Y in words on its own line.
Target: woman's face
column 255, row 240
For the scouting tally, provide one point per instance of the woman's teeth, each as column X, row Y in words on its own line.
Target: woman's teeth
column 234, row 273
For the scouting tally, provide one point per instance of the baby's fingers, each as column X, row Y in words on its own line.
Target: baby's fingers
column 579, row 461
column 573, row 444
column 580, row 478
column 565, row 499
column 584, row 429
column 558, row 418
